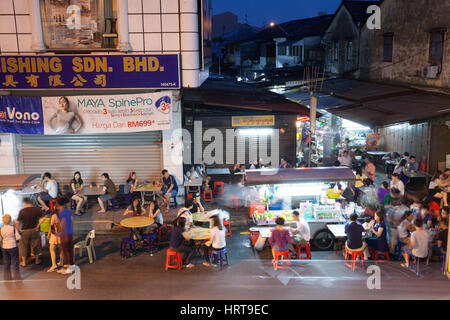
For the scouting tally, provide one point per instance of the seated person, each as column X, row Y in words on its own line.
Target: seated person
column 131, row 184
column 218, row 234
column 136, row 209
column 207, row 184
column 193, row 175
column 440, row 247
column 426, row 216
column 388, row 166
column 359, row 178
column 406, row 227
column 49, row 189
column 412, row 166
column 109, row 192
column 418, row 245
column 196, row 204
column 170, row 187
column 180, row 242
column 155, row 213
column 379, row 240
column 77, row 189
column 345, row 160
column 185, row 213
column 442, row 184
column 433, row 185
column 284, row 163
column 301, row 234
column 280, row 239
column 444, row 213
column 354, row 231
column 383, row 190
column 397, row 183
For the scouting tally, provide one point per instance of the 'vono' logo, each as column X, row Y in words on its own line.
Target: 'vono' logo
column 163, row 104
column 17, row 115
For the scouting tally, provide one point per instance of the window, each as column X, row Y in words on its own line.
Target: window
column 282, row 50
column 336, row 51
column 387, row 47
column 79, row 24
column 296, row 51
column 349, row 51
column 436, row 47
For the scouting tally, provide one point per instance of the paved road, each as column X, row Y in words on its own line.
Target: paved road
column 250, row 276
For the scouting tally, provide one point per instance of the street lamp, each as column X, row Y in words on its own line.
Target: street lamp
column 273, row 24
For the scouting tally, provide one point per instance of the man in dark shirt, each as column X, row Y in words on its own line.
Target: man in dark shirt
column 170, row 187
column 442, row 236
column 284, row 164
column 196, row 204
column 179, row 242
column 109, row 192
column 354, row 232
column 28, row 222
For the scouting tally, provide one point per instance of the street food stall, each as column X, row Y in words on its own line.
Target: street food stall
column 13, row 188
column 313, row 192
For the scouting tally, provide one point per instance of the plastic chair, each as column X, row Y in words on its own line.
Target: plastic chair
column 307, row 251
column 285, row 263
column 149, row 242
column 51, row 205
column 353, row 254
column 170, row 254
column 87, row 244
column 219, row 187
column 127, row 247
column 207, row 195
column 221, row 255
column 234, row 202
column 227, row 225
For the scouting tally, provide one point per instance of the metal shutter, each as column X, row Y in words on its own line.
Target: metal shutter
column 116, row 154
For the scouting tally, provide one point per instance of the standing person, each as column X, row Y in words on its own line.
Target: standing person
column 379, row 240
column 354, row 231
column 301, row 233
column 383, row 190
column 54, row 240
column 280, row 239
column 170, row 187
column 180, row 242
column 49, row 189
column 397, row 184
column 109, row 192
column 345, row 160
column 65, row 218
column 284, row 164
column 418, row 245
column 369, row 170
column 28, row 223
column 218, row 235
column 10, row 235
column 77, row 189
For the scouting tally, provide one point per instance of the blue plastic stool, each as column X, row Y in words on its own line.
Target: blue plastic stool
column 173, row 202
column 150, row 240
column 221, row 255
column 127, row 247
column 113, row 204
column 73, row 204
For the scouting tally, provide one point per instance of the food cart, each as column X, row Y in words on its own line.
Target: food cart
column 307, row 190
column 13, row 188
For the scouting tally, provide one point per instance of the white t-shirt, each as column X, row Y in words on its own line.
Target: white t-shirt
column 399, row 185
column 403, row 231
column 420, row 238
column 52, row 188
column 218, row 238
column 9, row 239
column 303, row 229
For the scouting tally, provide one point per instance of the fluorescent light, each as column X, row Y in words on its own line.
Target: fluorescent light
column 255, row 132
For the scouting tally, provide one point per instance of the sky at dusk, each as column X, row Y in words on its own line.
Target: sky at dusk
column 274, row 10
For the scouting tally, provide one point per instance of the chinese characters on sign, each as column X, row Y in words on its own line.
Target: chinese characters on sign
column 89, row 72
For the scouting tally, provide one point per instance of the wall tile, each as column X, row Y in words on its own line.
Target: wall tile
column 152, row 6
column 170, row 23
column 152, row 42
column 152, row 23
column 171, row 41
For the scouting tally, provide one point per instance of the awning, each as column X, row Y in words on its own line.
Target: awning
column 378, row 105
column 16, row 181
column 325, row 101
column 225, row 93
column 296, row 175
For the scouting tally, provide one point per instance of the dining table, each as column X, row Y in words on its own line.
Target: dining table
column 197, row 183
column 200, row 236
column 148, row 189
column 136, row 222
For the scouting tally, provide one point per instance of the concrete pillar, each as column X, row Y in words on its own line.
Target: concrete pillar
column 36, row 26
column 122, row 20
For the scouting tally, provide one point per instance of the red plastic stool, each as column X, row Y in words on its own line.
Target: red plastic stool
column 378, row 254
column 51, row 205
column 189, row 196
column 307, row 251
column 284, row 255
column 227, row 225
column 234, row 202
column 353, row 254
column 218, row 187
column 170, row 254
column 207, row 195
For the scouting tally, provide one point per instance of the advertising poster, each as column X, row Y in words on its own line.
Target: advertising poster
column 21, row 115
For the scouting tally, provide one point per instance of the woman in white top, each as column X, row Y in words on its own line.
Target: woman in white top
column 54, row 241
column 9, row 236
column 217, row 237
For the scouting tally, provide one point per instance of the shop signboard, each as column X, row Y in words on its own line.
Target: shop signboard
column 86, row 114
column 253, row 121
column 82, row 72
column 372, row 141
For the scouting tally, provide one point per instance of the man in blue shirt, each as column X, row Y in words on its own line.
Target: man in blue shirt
column 354, row 231
column 170, row 187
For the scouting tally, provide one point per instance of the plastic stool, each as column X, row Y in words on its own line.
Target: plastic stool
column 113, row 204
column 234, row 202
column 227, row 225
column 219, row 187
column 173, row 202
column 284, row 255
column 170, row 254
column 207, row 195
column 51, row 205
column 149, row 242
column 189, row 196
column 73, row 204
column 353, row 254
column 377, row 254
column 222, row 257
column 307, row 251
column 127, row 245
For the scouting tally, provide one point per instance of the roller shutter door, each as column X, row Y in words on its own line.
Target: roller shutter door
column 116, row 154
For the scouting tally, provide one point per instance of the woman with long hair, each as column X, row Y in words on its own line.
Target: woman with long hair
column 136, row 209
column 155, row 213
column 77, row 186
column 54, row 241
column 131, row 184
column 218, row 234
column 379, row 240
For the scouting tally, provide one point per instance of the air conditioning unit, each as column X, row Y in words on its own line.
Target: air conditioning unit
column 430, row 72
